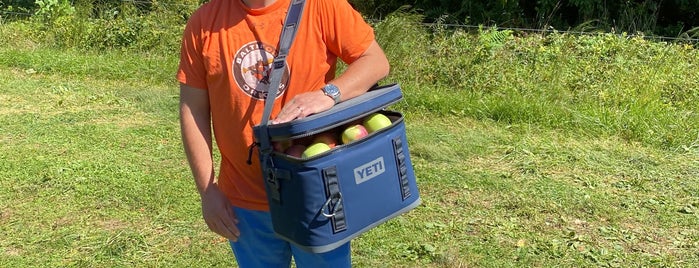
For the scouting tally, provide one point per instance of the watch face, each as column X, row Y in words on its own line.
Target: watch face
column 332, row 91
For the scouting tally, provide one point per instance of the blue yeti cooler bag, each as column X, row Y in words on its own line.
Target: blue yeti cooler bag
column 321, row 202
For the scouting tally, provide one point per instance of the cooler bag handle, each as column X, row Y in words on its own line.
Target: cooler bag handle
column 402, row 167
column 293, row 18
column 333, row 204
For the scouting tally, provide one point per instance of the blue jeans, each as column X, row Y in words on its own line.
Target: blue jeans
column 258, row 246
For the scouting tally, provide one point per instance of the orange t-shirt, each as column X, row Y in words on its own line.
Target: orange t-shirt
column 227, row 50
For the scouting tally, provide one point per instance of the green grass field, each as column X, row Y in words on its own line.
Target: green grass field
column 530, row 151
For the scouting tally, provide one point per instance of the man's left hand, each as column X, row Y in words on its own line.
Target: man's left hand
column 303, row 105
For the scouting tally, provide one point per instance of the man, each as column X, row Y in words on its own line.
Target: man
column 227, row 49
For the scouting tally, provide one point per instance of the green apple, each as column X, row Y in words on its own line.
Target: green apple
column 315, row 149
column 375, row 122
column 353, row 133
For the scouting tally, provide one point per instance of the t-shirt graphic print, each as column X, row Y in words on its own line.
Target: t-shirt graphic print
column 252, row 66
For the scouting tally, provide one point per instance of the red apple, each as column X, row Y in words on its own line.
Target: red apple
column 281, row 146
column 296, row 150
column 329, row 138
column 353, row 133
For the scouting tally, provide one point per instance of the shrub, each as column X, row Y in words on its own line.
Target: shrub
column 126, row 27
column 49, row 11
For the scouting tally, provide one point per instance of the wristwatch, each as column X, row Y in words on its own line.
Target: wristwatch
column 332, row 91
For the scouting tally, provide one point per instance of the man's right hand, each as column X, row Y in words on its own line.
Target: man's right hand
column 218, row 213
column 195, row 122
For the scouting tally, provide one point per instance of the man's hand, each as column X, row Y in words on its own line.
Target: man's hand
column 359, row 76
column 303, row 105
column 218, row 213
column 195, row 123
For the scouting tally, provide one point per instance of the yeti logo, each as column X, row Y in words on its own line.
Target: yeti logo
column 369, row 170
column 252, row 66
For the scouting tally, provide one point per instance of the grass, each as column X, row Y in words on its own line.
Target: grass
column 602, row 84
column 522, row 196
column 530, row 151
column 93, row 175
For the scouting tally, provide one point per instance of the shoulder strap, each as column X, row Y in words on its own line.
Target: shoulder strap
column 293, row 18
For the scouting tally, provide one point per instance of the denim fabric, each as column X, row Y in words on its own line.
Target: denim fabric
column 258, row 246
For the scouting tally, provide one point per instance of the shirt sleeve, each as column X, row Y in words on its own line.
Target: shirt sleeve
column 192, row 70
column 345, row 31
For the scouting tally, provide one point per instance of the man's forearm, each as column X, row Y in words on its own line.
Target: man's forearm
column 198, row 153
column 363, row 73
column 195, row 128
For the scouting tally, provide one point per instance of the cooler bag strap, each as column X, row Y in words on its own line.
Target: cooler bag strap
column 293, row 18
column 333, row 208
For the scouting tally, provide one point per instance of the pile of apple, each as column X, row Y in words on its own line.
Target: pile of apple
column 325, row 141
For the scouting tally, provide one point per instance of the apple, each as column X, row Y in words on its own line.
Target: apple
column 375, row 122
column 329, row 138
column 353, row 133
column 296, row 150
column 281, row 146
column 315, row 149
column 305, row 140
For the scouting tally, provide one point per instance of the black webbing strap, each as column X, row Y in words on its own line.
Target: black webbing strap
column 402, row 167
column 333, row 208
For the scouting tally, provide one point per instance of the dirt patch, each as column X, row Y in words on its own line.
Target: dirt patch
column 5, row 215
column 12, row 252
column 112, row 224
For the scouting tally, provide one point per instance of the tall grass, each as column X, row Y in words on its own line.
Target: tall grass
column 89, row 26
column 602, row 84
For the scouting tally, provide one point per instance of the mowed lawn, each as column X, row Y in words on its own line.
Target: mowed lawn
column 92, row 174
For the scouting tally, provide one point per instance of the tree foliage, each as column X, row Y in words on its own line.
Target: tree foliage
column 661, row 17
column 143, row 23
